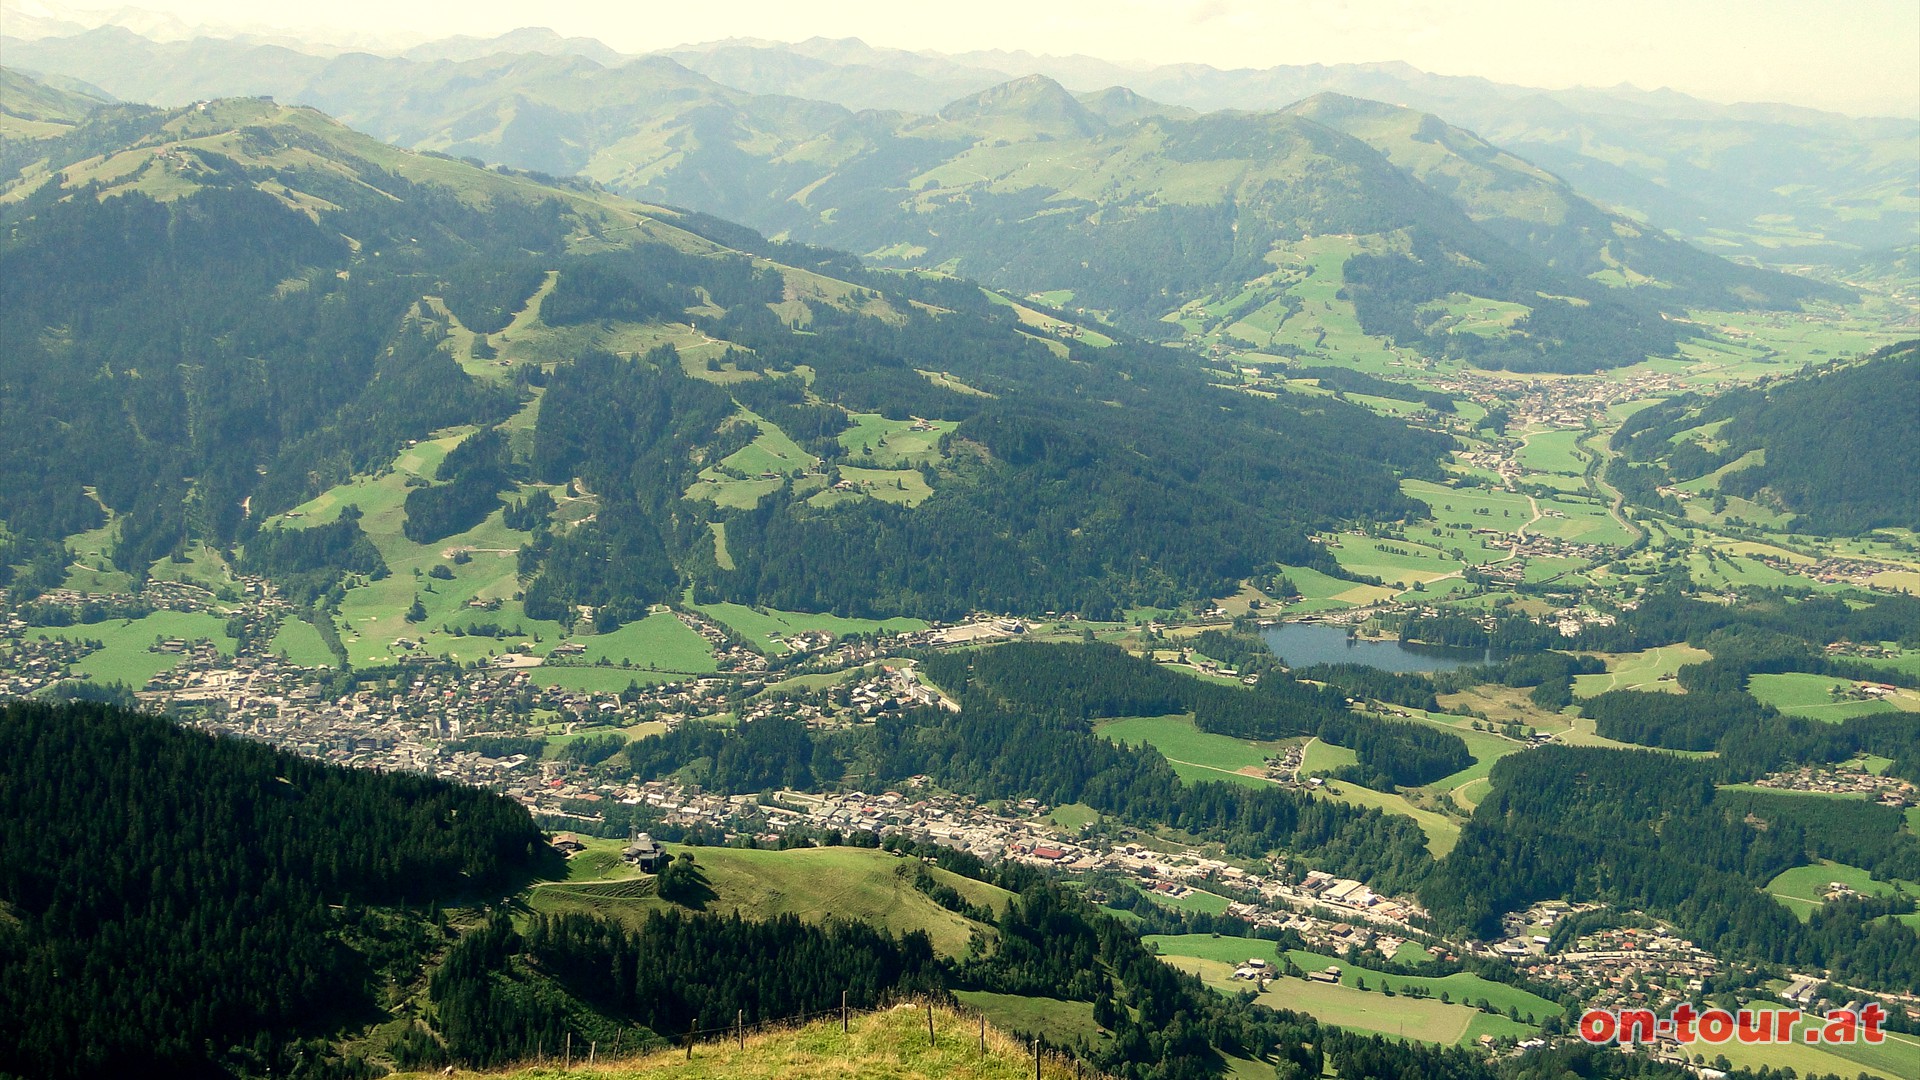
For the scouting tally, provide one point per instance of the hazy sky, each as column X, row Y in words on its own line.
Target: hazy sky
column 1858, row 56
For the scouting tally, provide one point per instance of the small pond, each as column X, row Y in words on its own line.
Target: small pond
column 1306, row 644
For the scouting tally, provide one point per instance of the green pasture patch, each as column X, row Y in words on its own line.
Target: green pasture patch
column 876, row 441
column 127, row 654
column 659, row 642
column 1651, row 669
column 762, row 625
column 1195, row 754
column 300, row 643
column 1554, row 451
column 1804, row 888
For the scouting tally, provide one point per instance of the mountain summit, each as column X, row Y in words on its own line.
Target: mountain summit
column 1030, row 106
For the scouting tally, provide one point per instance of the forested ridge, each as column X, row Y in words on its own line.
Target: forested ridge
column 1830, row 456
column 1651, row 831
column 172, row 895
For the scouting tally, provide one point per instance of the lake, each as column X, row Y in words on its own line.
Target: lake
column 1306, row 644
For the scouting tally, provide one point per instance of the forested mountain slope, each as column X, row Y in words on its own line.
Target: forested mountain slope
column 1833, row 448
column 228, row 310
column 168, row 896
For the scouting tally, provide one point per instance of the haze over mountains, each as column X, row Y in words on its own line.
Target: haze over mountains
column 1778, row 183
column 1154, row 555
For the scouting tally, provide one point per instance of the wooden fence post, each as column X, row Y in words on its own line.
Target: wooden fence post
column 843, row 1012
column 569, row 1057
column 690, row 1033
column 1036, row 1059
column 929, row 1022
column 983, row 1034
column 740, row 1027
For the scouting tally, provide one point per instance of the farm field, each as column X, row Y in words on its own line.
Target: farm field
column 1464, row 313
column 806, row 684
column 1315, row 319
column 1811, row 696
column 1323, row 756
column 630, row 732
column 904, row 486
column 894, row 443
column 771, row 451
column 1398, row 562
column 371, row 619
column 731, row 493
column 1554, row 452
column 1895, row 1059
column 126, row 657
column 1074, row 816
column 1485, row 746
column 1442, row 831
column 1197, row 900
column 1322, row 592
column 1471, row 508
column 1584, row 522
column 759, row 625
column 203, row 566
column 1907, row 662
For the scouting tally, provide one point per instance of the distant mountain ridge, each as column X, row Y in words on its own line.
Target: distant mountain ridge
column 1138, row 213
column 1722, row 175
column 1775, row 183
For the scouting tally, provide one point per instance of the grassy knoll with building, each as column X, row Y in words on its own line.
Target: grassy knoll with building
column 1804, row 888
column 866, row 884
column 1346, row 1004
column 1823, row 697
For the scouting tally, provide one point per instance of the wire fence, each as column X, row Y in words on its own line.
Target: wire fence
column 942, row 1018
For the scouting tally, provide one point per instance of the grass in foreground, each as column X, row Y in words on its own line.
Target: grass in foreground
column 882, row 1046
